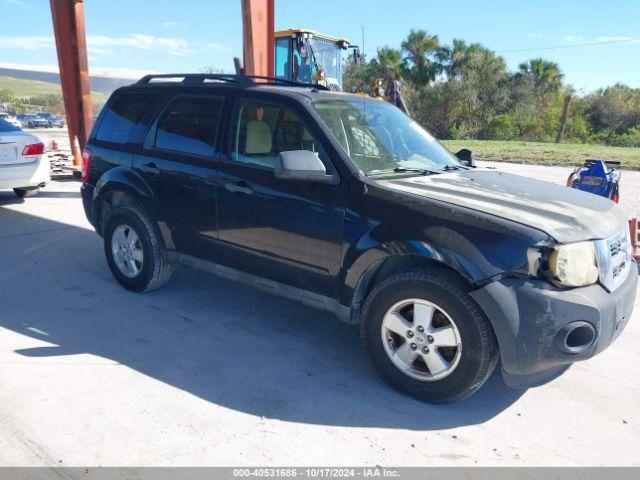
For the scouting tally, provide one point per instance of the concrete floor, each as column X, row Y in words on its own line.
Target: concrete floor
column 204, row 372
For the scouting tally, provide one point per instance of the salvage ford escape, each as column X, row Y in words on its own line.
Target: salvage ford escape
column 344, row 203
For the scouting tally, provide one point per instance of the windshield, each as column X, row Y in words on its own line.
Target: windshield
column 314, row 55
column 328, row 56
column 380, row 139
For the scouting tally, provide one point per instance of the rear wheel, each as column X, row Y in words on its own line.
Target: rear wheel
column 134, row 252
column 427, row 337
column 26, row 192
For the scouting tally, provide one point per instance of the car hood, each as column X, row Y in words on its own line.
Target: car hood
column 566, row 214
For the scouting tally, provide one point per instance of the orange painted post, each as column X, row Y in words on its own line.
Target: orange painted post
column 71, row 43
column 635, row 238
column 258, row 37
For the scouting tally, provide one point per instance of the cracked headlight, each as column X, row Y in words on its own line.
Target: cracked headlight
column 570, row 265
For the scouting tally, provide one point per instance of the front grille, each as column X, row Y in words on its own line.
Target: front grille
column 614, row 260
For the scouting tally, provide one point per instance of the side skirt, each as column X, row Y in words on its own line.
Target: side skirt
column 305, row 297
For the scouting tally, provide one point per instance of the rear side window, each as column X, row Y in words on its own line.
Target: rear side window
column 122, row 116
column 189, row 125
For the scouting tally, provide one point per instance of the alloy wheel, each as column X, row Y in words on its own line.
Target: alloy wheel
column 421, row 339
column 127, row 251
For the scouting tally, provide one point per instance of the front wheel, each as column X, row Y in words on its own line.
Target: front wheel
column 427, row 337
column 134, row 251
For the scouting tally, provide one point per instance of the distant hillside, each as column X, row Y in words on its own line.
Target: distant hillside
column 104, row 85
column 30, row 88
column 31, row 95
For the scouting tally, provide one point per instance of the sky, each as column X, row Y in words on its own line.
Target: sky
column 132, row 37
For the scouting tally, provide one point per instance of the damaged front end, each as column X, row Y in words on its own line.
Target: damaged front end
column 543, row 326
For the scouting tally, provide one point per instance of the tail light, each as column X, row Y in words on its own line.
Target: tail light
column 33, row 149
column 86, row 164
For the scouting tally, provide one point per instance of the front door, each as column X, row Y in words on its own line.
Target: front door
column 288, row 231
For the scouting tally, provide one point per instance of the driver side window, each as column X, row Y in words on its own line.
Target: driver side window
column 262, row 131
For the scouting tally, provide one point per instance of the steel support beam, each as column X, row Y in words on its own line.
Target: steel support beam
column 71, row 43
column 257, row 36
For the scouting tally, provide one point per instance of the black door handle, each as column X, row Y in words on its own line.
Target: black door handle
column 150, row 169
column 239, row 187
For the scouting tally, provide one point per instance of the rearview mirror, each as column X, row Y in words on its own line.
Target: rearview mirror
column 301, row 165
column 466, row 157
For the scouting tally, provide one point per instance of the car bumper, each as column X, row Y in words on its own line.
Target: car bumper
column 87, row 190
column 536, row 324
column 20, row 175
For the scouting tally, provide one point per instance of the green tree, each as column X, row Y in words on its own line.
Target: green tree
column 389, row 63
column 546, row 75
column 454, row 57
column 615, row 109
column 419, row 49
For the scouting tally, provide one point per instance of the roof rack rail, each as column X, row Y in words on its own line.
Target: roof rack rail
column 201, row 78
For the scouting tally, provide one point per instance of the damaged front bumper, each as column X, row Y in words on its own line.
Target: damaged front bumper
column 542, row 329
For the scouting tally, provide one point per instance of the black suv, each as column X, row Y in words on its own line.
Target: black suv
column 344, row 203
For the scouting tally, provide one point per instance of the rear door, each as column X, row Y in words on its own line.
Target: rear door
column 178, row 162
column 288, row 231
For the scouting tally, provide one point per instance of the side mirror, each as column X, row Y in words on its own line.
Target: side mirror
column 301, row 165
column 466, row 157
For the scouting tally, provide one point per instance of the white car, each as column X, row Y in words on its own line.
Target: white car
column 11, row 119
column 23, row 165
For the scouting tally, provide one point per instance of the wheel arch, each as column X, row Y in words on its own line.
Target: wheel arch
column 386, row 260
column 118, row 187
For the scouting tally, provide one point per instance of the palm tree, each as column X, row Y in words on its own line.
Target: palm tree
column 389, row 63
column 455, row 57
column 546, row 75
column 420, row 49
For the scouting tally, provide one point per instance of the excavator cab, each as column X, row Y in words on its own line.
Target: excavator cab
column 306, row 56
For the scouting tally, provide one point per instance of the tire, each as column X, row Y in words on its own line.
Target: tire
column 26, row 192
column 151, row 269
column 459, row 370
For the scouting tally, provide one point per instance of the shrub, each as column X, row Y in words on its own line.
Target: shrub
column 503, row 127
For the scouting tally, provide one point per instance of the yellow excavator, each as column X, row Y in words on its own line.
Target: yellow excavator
column 306, row 56
column 310, row 57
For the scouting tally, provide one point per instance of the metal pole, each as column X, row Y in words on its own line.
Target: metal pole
column 71, row 43
column 257, row 35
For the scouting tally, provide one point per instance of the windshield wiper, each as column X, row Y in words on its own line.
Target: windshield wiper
column 421, row 171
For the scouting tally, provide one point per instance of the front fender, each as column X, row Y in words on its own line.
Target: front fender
column 368, row 254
